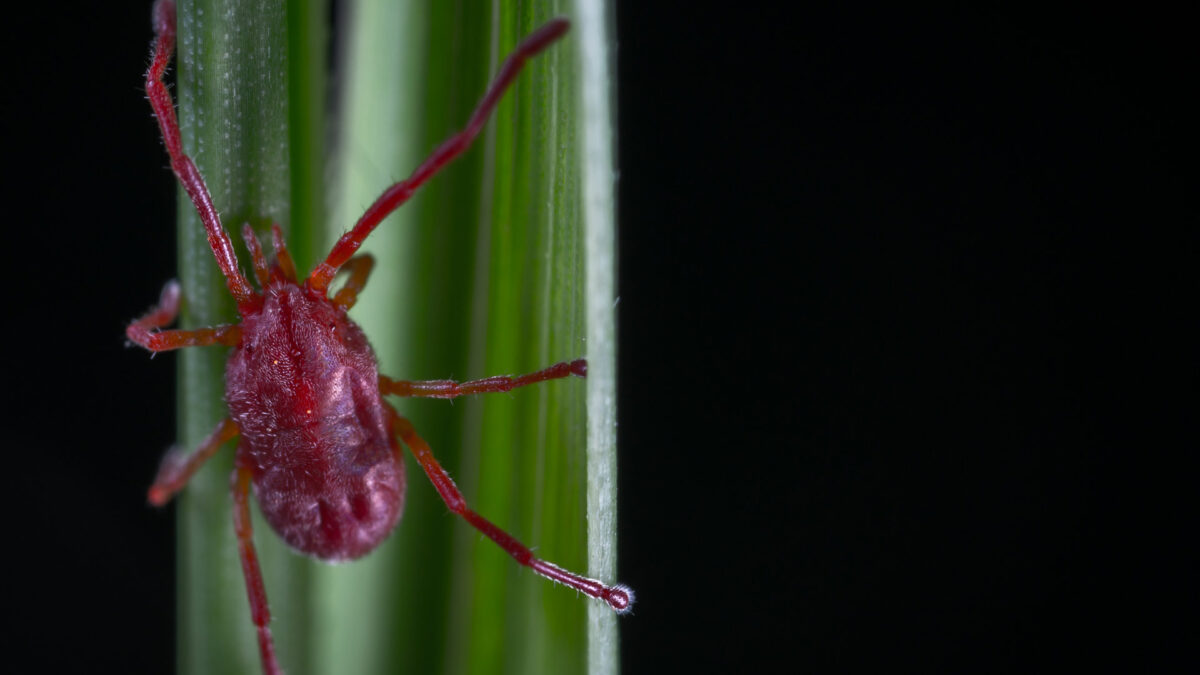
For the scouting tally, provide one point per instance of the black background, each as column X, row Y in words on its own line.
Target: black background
column 898, row 300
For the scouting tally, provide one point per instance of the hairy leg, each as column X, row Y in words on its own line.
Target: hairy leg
column 183, row 166
column 259, row 614
column 178, row 466
column 360, row 267
column 617, row 596
column 262, row 271
column 287, row 267
column 142, row 331
column 397, row 194
column 487, row 385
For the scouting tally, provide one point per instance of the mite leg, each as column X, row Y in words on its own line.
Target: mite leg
column 617, row 596
column 142, row 331
column 360, row 267
column 183, row 166
column 452, row 147
column 163, row 313
column 257, row 593
column 261, row 271
column 287, row 266
column 488, row 385
column 178, row 466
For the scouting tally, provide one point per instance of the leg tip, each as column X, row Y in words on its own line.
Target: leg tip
column 163, row 17
column 157, row 496
column 171, row 293
column 620, row 598
column 137, row 335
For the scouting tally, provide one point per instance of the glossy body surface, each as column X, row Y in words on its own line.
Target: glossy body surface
column 303, row 388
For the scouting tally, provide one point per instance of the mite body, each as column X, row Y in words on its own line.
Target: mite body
column 317, row 442
column 303, row 390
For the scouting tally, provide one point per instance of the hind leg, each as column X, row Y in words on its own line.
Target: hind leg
column 257, row 593
column 618, row 597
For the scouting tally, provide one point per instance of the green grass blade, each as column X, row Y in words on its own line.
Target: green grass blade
column 247, row 118
column 595, row 26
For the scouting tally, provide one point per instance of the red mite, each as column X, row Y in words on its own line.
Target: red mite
column 318, row 444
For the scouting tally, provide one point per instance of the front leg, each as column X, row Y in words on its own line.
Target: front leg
column 360, row 267
column 142, row 331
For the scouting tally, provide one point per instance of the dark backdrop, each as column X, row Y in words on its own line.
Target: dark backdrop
column 898, row 299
